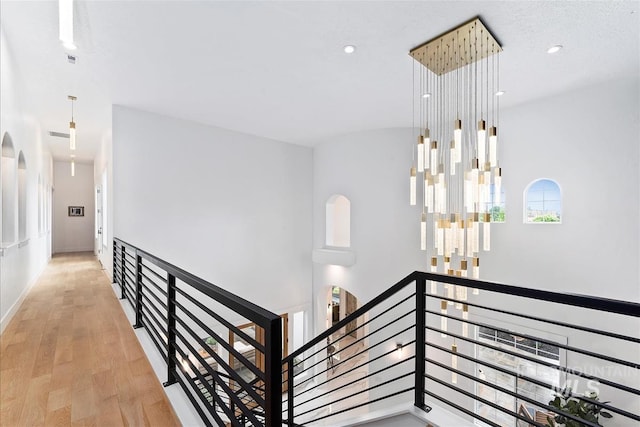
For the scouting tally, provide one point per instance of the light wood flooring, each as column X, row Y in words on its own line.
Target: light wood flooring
column 70, row 357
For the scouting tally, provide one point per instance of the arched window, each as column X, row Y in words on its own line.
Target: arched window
column 338, row 221
column 542, row 202
column 8, row 190
column 22, row 197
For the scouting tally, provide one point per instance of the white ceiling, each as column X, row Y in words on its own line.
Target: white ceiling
column 277, row 69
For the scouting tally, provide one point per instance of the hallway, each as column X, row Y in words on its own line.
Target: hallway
column 70, row 357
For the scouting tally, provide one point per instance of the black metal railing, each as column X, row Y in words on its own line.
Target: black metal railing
column 480, row 352
column 231, row 375
column 498, row 354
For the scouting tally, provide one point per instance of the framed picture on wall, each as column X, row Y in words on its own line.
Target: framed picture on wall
column 76, row 210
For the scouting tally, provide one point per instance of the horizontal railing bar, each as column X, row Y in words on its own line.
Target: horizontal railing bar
column 584, row 301
column 149, row 282
column 359, row 327
column 155, row 338
column 209, row 387
column 157, row 300
column 155, row 273
column 463, row 409
column 128, row 294
column 357, row 354
column 214, row 375
column 542, row 340
column 361, row 339
column 127, row 261
column 241, row 306
column 160, row 320
column 568, row 394
column 362, row 378
column 539, row 361
column 365, row 350
column 197, row 406
column 483, row 400
column 222, row 342
column 368, row 402
column 506, row 391
column 132, row 273
column 220, row 319
column 539, row 319
column 357, row 393
column 359, row 312
column 217, row 357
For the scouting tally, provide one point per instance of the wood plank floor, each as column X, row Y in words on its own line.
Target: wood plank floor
column 70, row 357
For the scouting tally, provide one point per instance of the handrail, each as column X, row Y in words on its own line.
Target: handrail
column 163, row 297
column 602, row 304
column 142, row 281
column 359, row 312
column 311, row 356
column 255, row 313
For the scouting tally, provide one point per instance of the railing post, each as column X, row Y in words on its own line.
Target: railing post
column 421, row 285
column 122, row 276
column 290, row 392
column 273, row 373
column 171, row 330
column 138, row 323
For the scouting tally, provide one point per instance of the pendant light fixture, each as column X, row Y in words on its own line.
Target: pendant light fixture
column 65, row 22
column 457, row 149
column 454, row 362
column 443, row 319
column 73, row 165
column 72, row 125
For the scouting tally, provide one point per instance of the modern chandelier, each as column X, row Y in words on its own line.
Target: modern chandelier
column 455, row 176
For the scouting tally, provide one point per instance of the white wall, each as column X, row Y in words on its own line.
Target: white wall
column 231, row 208
column 103, row 164
column 22, row 261
column 73, row 233
column 587, row 140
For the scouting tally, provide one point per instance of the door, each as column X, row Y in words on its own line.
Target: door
column 98, row 231
column 351, row 306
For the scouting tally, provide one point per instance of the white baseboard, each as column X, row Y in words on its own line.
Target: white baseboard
column 4, row 322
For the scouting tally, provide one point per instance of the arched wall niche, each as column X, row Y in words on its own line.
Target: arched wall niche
column 22, row 197
column 338, row 221
column 8, row 183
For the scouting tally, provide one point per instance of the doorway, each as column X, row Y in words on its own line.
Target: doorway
column 343, row 303
column 252, row 355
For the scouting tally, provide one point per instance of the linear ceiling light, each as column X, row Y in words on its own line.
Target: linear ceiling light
column 72, row 126
column 65, row 11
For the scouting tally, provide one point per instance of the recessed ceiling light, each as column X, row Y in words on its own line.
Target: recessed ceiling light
column 349, row 48
column 554, row 49
column 426, row 95
column 500, row 93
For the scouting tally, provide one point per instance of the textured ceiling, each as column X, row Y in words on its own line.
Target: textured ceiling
column 278, row 70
